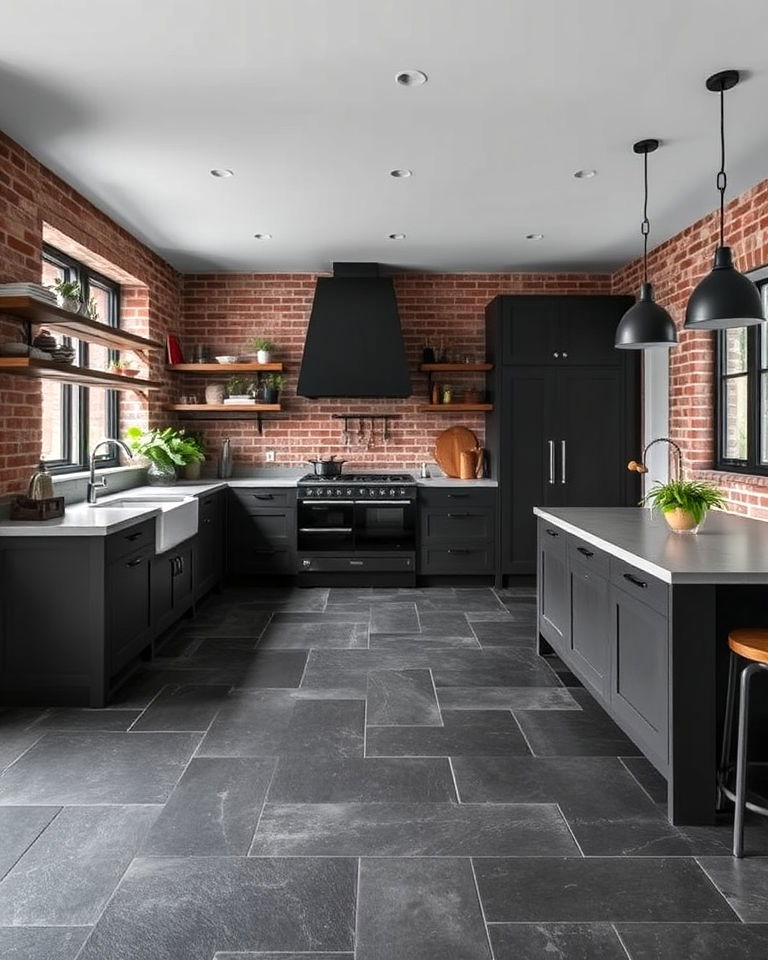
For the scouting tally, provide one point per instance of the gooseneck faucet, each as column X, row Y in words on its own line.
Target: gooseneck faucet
column 640, row 466
column 93, row 483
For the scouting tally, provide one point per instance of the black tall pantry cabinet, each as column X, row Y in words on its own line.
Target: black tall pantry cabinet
column 566, row 415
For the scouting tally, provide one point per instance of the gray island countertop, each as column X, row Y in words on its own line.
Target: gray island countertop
column 727, row 548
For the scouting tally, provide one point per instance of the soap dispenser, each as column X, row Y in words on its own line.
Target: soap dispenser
column 41, row 483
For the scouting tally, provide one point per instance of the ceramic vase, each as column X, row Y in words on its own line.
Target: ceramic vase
column 214, row 393
column 160, row 475
column 262, row 356
column 191, row 471
column 681, row 521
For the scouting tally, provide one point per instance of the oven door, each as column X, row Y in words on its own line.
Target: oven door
column 385, row 526
column 325, row 525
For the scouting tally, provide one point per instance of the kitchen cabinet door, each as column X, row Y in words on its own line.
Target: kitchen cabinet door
column 209, row 561
column 127, row 608
column 553, row 587
column 589, row 648
column 587, row 330
column 530, row 329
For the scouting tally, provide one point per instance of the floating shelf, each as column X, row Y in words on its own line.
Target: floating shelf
column 67, row 373
column 224, row 367
column 457, row 407
column 224, row 407
column 455, row 367
column 74, row 325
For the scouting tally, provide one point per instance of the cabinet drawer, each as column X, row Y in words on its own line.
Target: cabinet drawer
column 127, row 541
column 254, row 558
column 449, row 497
column 256, row 497
column 457, row 525
column 552, row 538
column 579, row 551
column 641, row 585
column 210, row 505
column 267, row 527
column 469, row 560
column 589, row 648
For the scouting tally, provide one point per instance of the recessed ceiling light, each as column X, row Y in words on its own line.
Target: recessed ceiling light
column 221, row 172
column 400, row 173
column 396, row 236
column 411, row 78
column 534, row 236
column 585, row 174
column 263, row 236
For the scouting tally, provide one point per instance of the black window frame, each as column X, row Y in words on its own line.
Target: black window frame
column 757, row 418
column 74, row 397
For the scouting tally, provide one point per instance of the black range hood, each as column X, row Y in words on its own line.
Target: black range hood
column 354, row 345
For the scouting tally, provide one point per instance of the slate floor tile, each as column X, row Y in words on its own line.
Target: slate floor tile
column 420, row 642
column 504, row 633
column 463, row 600
column 248, row 955
column 394, row 618
column 227, row 904
column 263, row 669
column 411, row 830
column 506, row 698
column 19, row 828
column 306, row 636
column 595, row 889
column 574, row 734
column 252, row 723
column 15, row 740
column 648, row 777
column 357, row 780
column 743, row 883
column 444, row 623
column 419, row 910
column 560, row 941
column 42, row 943
column 325, row 728
column 402, row 697
column 501, row 615
column 495, row 674
column 65, row 768
column 141, row 689
column 464, row 733
column 74, row 719
column 230, row 620
column 327, row 616
column 69, row 873
column 213, row 810
column 187, row 707
column 694, row 941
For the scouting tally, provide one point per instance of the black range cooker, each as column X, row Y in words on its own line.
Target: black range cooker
column 357, row 528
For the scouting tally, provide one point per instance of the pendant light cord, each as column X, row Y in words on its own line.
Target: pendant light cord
column 722, row 179
column 645, row 226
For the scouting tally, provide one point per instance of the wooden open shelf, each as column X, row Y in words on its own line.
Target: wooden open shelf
column 456, row 407
column 67, row 373
column 74, row 325
column 224, row 407
column 224, row 367
column 455, row 367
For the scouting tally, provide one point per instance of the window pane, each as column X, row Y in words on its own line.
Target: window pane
column 53, row 411
column 736, row 350
column 764, row 417
column 735, row 417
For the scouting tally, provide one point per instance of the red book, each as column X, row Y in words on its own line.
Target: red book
column 173, row 349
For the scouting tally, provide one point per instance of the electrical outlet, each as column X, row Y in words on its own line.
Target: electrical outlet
column 270, row 456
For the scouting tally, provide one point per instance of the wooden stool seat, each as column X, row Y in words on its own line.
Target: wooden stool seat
column 750, row 643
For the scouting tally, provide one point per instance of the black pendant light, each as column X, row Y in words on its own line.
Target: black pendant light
column 725, row 298
column 645, row 324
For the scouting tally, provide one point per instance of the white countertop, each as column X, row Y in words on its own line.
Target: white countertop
column 454, row 482
column 727, row 548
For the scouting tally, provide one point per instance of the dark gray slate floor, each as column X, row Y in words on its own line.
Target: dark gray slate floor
column 356, row 775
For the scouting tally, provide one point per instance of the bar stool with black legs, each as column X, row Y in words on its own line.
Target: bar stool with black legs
column 749, row 643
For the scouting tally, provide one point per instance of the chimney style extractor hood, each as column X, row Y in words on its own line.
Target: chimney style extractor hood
column 354, row 345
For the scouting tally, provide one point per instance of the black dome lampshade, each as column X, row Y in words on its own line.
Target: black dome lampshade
column 646, row 324
column 725, row 298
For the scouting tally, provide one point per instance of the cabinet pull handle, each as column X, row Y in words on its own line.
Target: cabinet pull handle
column 551, row 445
column 562, row 461
column 458, row 550
column 135, row 536
column 263, row 496
column 208, row 502
column 136, row 562
column 636, row 580
column 565, row 355
column 555, row 354
column 551, row 532
column 356, row 563
column 206, row 519
column 458, row 516
column 584, row 552
column 457, row 496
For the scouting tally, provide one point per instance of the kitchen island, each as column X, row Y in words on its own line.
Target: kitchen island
column 641, row 616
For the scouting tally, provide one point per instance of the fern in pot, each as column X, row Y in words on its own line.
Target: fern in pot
column 684, row 504
column 166, row 449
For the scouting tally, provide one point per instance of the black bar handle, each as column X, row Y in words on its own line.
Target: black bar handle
column 458, row 516
column 206, row 519
column 208, row 502
column 457, row 496
column 551, row 532
column 263, row 496
column 136, row 562
column 135, row 536
column 636, row 580
column 584, row 552
column 459, row 550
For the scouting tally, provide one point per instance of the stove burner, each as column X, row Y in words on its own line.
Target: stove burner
column 359, row 478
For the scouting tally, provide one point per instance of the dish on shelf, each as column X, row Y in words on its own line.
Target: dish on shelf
column 23, row 350
column 227, row 359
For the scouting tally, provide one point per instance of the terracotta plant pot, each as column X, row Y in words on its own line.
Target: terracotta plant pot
column 681, row 521
column 191, row 471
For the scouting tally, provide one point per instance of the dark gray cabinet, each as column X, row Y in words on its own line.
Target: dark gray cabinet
column 457, row 530
column 126, row 588
column 172, row 585
column 261, row 531
column 553, row 593
column 589, row 626
column 566, row 412
column 209, row 560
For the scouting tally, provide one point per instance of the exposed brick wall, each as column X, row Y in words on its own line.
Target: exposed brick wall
column 34, row 201
column 675, row 267
column 224, row 311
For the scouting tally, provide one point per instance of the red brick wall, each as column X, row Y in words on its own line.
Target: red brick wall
column 675, row 267
column 31, row 196
column 224, row 311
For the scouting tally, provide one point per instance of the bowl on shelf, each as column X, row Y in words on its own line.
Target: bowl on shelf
column 227, row 359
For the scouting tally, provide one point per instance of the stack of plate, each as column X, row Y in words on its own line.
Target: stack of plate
column 35, row 290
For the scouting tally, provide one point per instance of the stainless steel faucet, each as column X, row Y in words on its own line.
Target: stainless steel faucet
column 93, row 483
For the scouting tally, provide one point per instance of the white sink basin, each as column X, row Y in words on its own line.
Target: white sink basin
column 177, row 521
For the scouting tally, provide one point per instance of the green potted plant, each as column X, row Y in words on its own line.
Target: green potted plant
column 684, row 503
column 69, row 294
column 239, row 389
column 121, row 367
column 166, row 449
column 273, row 384
column 194, row 450
column 263, row 348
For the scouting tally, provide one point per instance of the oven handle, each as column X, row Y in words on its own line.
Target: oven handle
column 385, row 503
column 325, row 529
column 343, row 503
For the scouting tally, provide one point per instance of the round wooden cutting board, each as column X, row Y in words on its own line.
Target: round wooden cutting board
column 449, row 446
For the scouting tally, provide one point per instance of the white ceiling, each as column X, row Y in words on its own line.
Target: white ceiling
column 134, row 101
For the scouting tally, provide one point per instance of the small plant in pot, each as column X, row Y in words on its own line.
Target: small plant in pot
column 684, row 504
column 69, row 294
column 166, row 450
column 240, row 389
column 121, row 367
column 263, row 349
column 272, row 385
column 193, row 447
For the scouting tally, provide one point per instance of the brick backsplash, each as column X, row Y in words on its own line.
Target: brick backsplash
column 223, row 311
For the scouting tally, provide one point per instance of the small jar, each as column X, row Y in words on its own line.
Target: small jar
column 447, row 394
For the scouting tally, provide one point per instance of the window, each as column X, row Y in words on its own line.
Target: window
column 75, row 418
column 742, row 394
